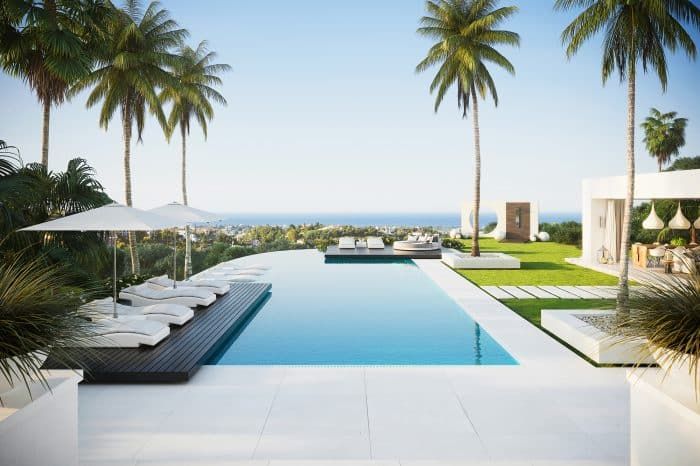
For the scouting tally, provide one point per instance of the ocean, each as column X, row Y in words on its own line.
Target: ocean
column 438, row 220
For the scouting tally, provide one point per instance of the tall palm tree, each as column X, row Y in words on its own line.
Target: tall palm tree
column 466, row 40
column 634, row 31
column 664, row 135
column 133, row 67
column 191, row 97
column 48, row 45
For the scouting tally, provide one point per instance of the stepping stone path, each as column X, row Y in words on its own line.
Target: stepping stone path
column 551, row 292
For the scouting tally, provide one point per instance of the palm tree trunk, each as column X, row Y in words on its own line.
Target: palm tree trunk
column 624, row 292
column 45, row 134
column 126, row 122
column 188, row 240
column 477, row 173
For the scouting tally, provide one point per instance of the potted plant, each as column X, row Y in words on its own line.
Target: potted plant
column 38, row 314
column 666, row 312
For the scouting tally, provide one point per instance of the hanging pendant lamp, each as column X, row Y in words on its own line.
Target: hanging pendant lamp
column 653, row 222
column 679, row 222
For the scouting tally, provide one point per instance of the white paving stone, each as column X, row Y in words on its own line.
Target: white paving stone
column 497, row 292
column 517, row 292
column 581, row 293
column 606, row 292
column 558, row 292
column 539, row 292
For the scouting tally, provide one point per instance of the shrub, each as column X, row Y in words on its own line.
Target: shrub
column 38, row 313
column 565, row 232
column 452, row 243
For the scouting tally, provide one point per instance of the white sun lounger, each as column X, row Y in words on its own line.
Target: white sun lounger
column 215, row 286
column 374, row 242
column 225, row 271
column 127, row 332
column 172, row 314
column 209, row 275
column 143, row 295
column 236, row 265
column 346, row 242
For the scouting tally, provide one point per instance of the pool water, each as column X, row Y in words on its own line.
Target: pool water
column 379, row 313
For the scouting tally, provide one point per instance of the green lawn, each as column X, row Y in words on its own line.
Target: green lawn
column 530, row 308
column 541, row 264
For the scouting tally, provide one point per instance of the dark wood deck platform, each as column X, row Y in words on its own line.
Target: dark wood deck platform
column 183, row 352
column 387, row 253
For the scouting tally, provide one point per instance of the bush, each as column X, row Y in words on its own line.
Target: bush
column 565, row 232
column 452, row 243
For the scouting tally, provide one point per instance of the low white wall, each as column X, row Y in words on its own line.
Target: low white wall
column 45, row 431
column 664, row 431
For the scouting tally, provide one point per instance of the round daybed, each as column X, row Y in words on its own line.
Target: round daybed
column 431, row 245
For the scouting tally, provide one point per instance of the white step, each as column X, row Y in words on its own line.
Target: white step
column 517, row 292
column 539, row 292
column 496, row 292
column 558, row 292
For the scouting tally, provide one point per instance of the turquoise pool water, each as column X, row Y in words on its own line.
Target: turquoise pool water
column 380, row 313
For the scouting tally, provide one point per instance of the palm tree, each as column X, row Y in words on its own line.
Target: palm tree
column 191, row 96
column 132, row 68
column 466, row 39
column 664, row 135
column 48, row 45
column 633, row 31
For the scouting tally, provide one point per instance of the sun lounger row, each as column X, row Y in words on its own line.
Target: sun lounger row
column 158, row 303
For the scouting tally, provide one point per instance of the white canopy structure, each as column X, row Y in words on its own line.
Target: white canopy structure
column 113, row 217
column 603, row 201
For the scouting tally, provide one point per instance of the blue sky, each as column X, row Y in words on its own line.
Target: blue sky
column 326, row 114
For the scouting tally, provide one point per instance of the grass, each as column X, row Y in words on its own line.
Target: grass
column 541, row 264
column 530, row 309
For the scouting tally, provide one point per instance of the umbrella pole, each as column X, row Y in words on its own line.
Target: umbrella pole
column 114, row 275
column 174, row 258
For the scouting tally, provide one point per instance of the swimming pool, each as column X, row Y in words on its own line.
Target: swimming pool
column 379, row 313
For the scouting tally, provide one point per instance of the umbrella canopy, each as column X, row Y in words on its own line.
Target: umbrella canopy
column 184, row 214
column 112, row 217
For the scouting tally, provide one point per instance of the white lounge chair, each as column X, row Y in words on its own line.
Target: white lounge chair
column 143, row 295
column 172, row 314
column 127, row 332
column 346, row 242
column 215, row 286
column 374, row 242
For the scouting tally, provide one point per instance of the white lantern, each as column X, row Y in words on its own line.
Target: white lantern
column 679, row 222
column 653, row 222
column 543, row 236
column 499, row 235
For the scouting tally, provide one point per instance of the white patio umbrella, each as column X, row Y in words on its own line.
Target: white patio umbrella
column 112, row 218
column 184, row 215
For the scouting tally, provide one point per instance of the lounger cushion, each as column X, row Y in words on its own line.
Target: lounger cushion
column 144, row 294
column 168, row 313
column 215, row 286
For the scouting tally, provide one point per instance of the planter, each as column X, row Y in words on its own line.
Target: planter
column 16, row 380
column 664, row 426
column 41, row 429
column 680, row 380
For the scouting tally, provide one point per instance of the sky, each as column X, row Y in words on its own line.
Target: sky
column 326, row 114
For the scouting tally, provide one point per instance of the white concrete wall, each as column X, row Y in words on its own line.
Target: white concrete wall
column 44, row 431
column 664, row 431
column 595, row 192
